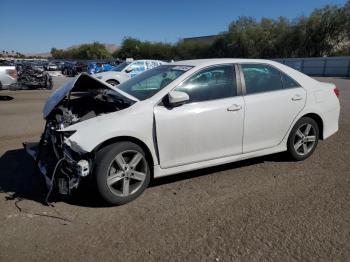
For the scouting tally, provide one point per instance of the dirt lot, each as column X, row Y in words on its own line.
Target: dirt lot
column 266, row 209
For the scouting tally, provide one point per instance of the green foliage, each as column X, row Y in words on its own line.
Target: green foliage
column 325, row 32
column 85, row 51
column 137, row 49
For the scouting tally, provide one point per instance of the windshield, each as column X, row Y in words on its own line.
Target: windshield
column 147, row 84
column 121, row 66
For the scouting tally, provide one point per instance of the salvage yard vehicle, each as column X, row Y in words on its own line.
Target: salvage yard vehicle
column 33, row 77
column 126, row 70
column 100, row 67
column 73, row 68
column 8, row 76
column 51, row 66
column 179, row 117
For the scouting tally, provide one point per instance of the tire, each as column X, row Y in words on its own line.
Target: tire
column 303, row 139
column 49, row 83
column 113, row 82
column 0, row 86
column 118, row 186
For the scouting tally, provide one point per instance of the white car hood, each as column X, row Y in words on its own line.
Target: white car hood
column 81, row 83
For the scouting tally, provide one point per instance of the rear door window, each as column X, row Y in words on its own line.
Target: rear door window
column 288, row 82
column 261, row 78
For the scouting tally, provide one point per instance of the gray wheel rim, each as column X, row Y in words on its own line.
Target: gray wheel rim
column 112, row 82
column 127, row 173
column 305, row 139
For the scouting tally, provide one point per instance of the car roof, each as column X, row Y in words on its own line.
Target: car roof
column 213, row 61
column 145, row 60
column 201, row 63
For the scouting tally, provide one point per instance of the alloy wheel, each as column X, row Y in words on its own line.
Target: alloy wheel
column 127, row 173
column 305, row 139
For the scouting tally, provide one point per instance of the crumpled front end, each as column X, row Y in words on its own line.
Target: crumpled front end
column 60, row 166
column 63, row 164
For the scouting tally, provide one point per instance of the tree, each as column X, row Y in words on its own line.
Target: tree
column 85, row 51
column 323, row 33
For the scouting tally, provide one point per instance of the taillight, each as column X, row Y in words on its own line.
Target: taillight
column 12, row 73
column 336, row 91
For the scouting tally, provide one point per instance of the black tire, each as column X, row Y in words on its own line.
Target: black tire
column 49, row 83
column 105, row 159
column 0, row 86
column 113, row 82
column 295, row 139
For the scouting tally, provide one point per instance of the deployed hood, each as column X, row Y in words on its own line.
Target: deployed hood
column 82, row 83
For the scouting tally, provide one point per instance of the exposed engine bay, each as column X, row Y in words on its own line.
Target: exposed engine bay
column 86, row 98
column 81, row 106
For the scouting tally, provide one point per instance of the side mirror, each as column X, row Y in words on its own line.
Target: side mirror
column 177, row 98
column 128, row 70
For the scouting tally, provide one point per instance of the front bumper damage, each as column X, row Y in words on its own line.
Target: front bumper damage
column 62, row 168
column 63, row 163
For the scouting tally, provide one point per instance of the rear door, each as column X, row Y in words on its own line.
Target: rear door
column 272, row 101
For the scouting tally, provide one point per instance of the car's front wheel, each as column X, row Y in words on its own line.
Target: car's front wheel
column 303, row 138
column 122, row 172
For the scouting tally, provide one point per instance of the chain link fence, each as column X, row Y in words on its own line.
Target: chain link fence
column 320, row 66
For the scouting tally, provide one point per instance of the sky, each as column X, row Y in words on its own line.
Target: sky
column 34, row 26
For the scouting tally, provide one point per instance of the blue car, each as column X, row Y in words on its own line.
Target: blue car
column 94, row 68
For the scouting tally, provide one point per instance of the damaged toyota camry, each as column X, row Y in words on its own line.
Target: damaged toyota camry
column 176, row 118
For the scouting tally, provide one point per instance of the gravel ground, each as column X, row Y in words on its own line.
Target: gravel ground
column 265, row 209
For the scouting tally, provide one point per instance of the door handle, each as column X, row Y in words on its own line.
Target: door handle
column 234, row 107
column 297, row 97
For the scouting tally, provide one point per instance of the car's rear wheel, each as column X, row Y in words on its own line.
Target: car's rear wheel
column 112, row 82
column 303, row 139
column 122, row 172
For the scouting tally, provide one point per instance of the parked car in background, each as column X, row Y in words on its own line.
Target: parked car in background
column 96, row 67
column 126, row 70
column 180, row 117
column 31, row 76
column 8, row 76
column 50, row 66
column 72, row 68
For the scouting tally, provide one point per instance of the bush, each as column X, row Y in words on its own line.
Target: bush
column 325, row 32
column 85, row 51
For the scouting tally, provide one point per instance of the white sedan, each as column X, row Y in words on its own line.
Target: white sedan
column 179, row 117
column 127, row 70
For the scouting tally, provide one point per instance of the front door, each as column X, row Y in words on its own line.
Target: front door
column 209, row 126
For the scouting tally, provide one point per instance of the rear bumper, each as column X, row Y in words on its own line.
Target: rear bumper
column 331, row 122
column 7, row 81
